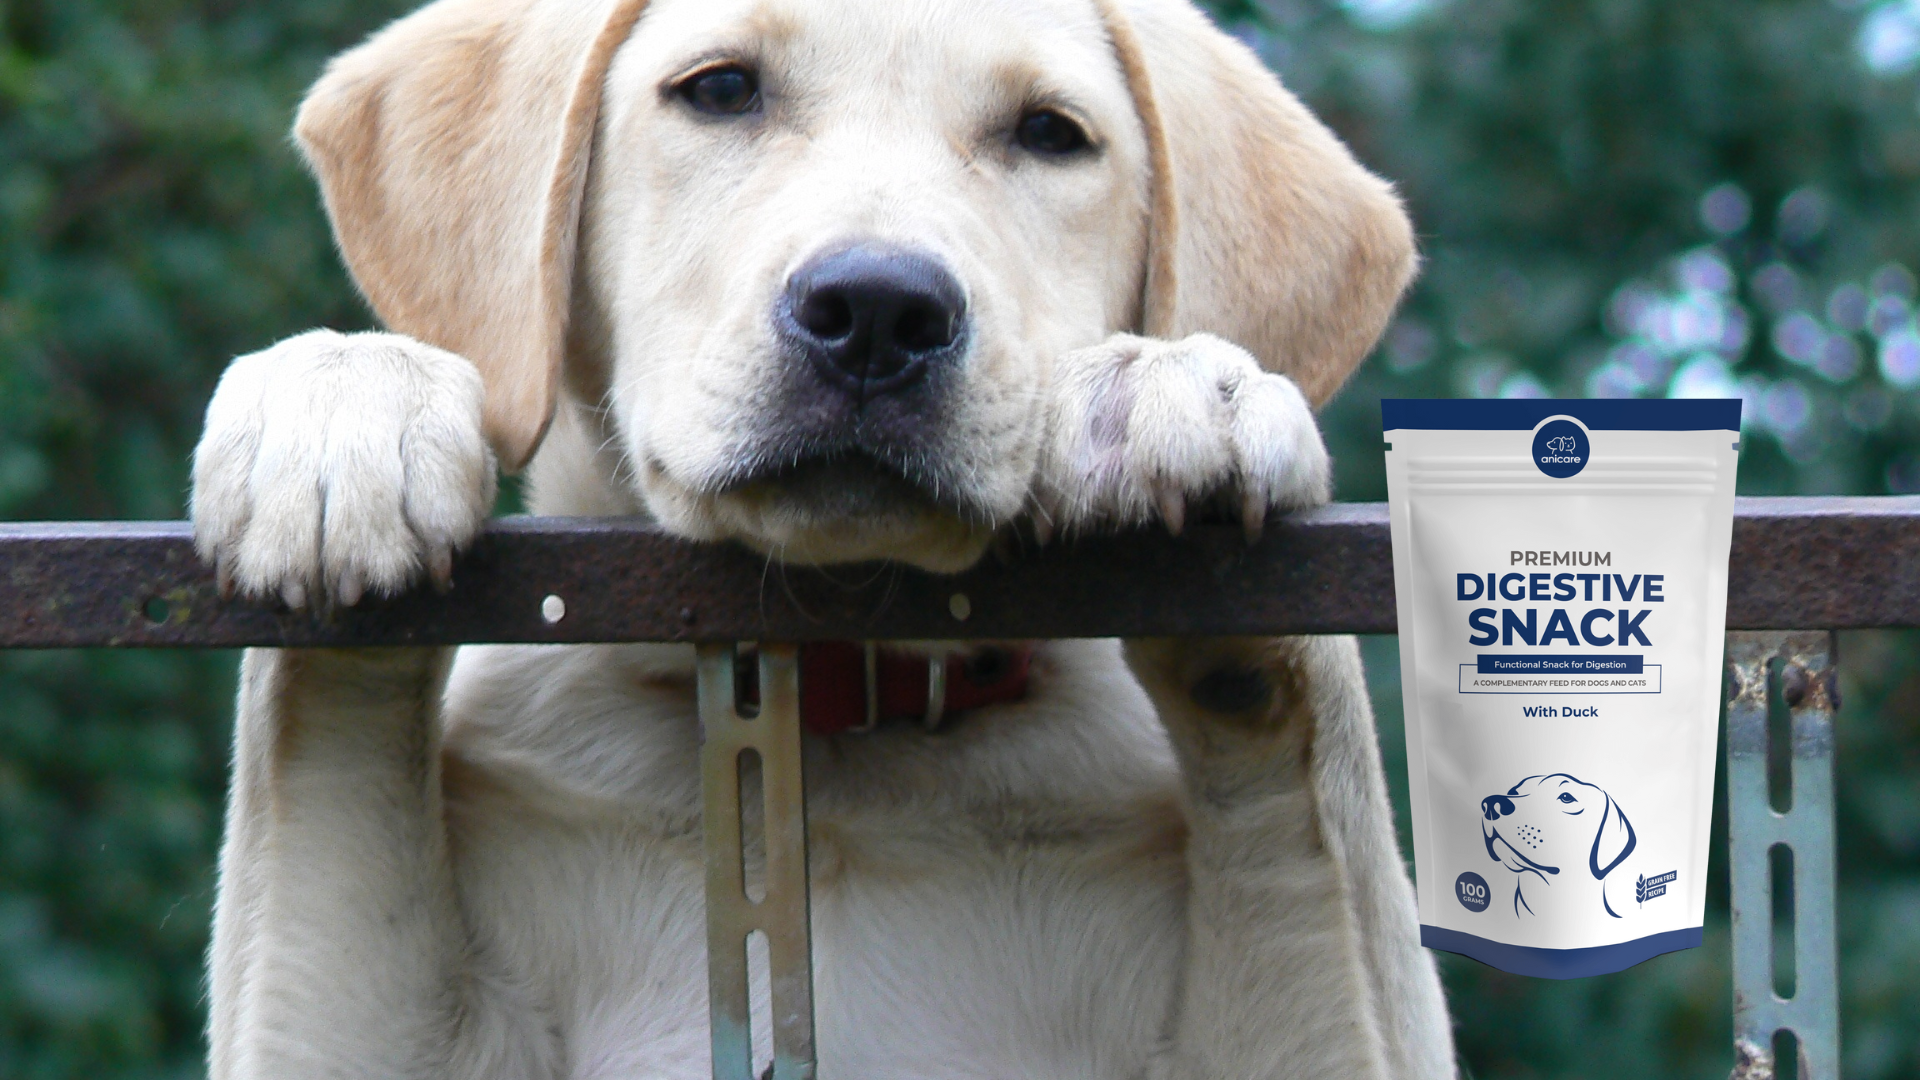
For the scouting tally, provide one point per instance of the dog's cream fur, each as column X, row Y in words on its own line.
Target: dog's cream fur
column 488, row 865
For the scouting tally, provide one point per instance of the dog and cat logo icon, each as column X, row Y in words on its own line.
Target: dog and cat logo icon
column 1561, row 838
column 1561, row 448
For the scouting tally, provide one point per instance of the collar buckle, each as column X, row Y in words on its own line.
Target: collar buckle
column 936, row 709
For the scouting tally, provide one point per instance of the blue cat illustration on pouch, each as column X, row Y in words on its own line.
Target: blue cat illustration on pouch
column 1561, row 837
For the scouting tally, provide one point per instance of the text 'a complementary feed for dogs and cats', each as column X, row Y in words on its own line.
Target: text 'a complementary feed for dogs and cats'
column 1561, row 577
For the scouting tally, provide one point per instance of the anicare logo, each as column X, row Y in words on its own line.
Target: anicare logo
column 1561, row 448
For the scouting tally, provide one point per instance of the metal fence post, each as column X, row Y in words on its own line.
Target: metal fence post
column 781, row 912
column 1804, row 830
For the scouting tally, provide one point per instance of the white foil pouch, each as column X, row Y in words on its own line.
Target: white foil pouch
column 1561, row 576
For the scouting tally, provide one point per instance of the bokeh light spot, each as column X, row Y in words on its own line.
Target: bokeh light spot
column 1725, row 209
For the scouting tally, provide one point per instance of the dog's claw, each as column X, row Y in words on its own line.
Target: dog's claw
column 440, row 569
column 350, row 589
column 1173, row 507
column 1253, row 518
column 294, row 595
column 1043, row 514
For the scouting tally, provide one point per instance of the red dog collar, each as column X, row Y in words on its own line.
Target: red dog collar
column 851, row 687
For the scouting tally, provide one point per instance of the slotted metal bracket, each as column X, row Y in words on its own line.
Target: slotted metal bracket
column 782, row 911
column 1812, row 1014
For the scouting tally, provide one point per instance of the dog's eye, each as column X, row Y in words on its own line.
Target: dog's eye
column 1564, row 797
column 729, row 90
column 1045, row 131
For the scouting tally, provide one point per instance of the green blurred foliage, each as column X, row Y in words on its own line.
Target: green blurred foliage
column 1614, row 197
column 1623, row 197
column 154, row 222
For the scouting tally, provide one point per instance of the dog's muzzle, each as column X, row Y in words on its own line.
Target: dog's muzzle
column 873, row 341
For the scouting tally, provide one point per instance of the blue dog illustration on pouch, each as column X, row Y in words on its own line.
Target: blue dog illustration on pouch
column 1561, row 837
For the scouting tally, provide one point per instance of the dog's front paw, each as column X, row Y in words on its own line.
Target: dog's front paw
column 335, row 465
column 1140, row 428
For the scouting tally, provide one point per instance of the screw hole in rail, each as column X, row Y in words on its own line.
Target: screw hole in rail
column 1786, row 1055
column 746, row 681
column 1779, row 739
column 760, row 1002
column 753, row 827
column 1780, row 874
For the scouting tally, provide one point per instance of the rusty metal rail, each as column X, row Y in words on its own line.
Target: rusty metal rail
column 1827, row 563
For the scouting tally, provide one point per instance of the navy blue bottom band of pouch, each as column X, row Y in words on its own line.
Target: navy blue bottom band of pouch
column 1559, row 963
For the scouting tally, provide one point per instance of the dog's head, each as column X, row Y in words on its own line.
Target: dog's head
column 795, row 271
column 1546, row 824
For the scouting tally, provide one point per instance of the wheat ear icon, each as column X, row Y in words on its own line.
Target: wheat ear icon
column 1640, row 889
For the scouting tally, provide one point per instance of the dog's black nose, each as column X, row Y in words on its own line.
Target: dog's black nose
column 1496, row 806
column 871, row 319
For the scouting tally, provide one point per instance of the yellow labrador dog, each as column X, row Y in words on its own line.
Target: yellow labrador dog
column 837, row 280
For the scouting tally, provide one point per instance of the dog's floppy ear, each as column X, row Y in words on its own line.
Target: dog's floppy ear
column 1264, row 228
column 1614, row 842
column 452, row 151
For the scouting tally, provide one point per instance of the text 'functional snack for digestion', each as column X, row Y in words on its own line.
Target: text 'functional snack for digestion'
column 1561, row 572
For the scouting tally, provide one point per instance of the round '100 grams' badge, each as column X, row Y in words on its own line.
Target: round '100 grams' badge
column 1561, row 448
column 1471, row 890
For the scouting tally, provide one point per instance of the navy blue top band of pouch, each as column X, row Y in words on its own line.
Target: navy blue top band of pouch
column 1524, row 414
